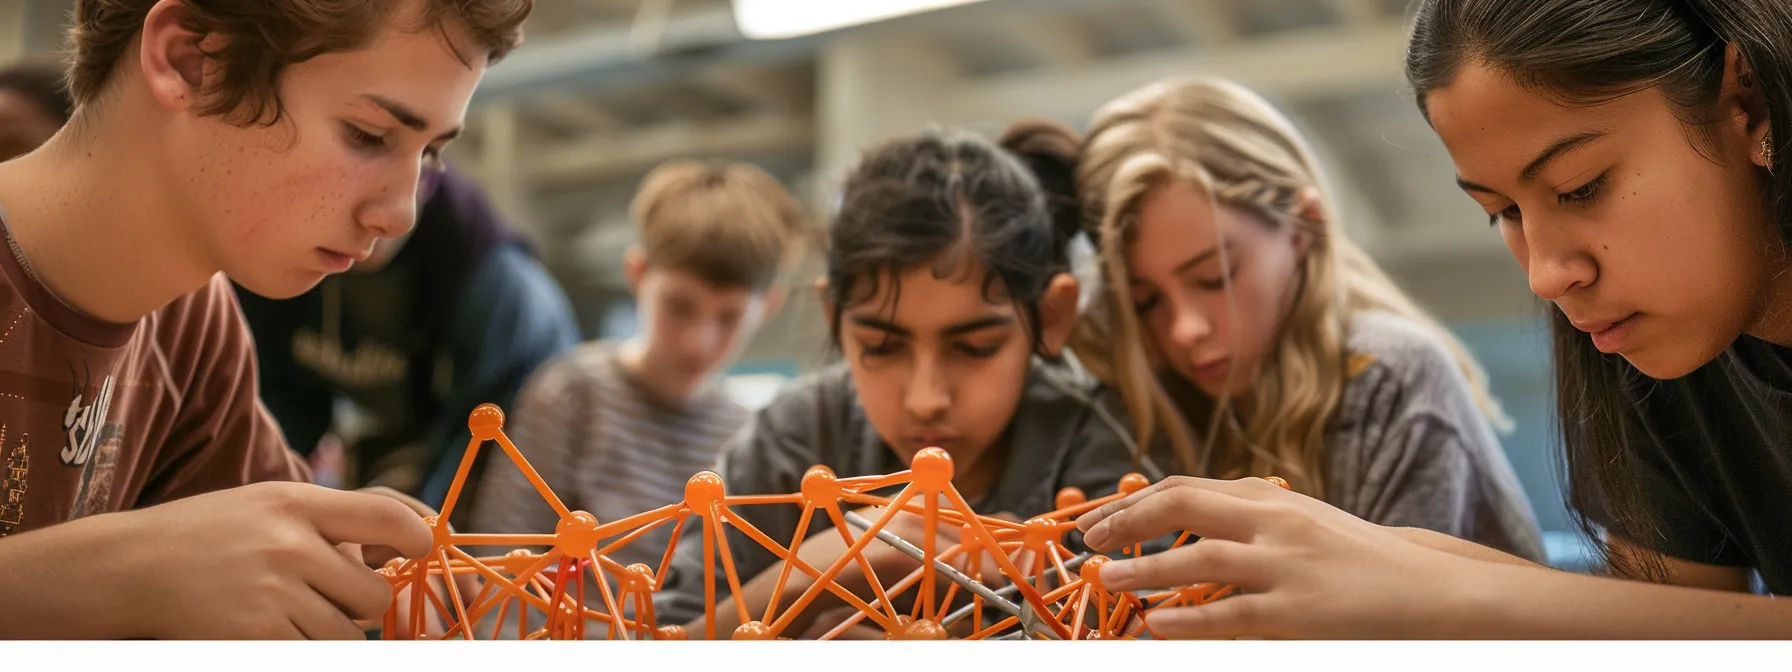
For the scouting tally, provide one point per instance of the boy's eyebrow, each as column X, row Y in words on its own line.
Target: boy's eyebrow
column 979, row 324
column 408, row 117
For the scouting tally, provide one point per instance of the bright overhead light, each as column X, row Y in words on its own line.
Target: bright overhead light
column 777, row 19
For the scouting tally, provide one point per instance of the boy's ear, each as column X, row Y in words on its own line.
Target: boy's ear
column 172, row 58
column 634, row 265
column 1057, row 313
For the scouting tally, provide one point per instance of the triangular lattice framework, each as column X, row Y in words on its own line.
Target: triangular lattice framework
column 1073, row 605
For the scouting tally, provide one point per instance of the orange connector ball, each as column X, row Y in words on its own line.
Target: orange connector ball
column 702, row 491
column 932, row 469
column 485, row 422
column 1070, row 497
column 921, row 630
column 752, row 630
column 1132, row 483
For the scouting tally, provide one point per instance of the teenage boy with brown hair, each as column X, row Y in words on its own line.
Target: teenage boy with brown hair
column 272, row 141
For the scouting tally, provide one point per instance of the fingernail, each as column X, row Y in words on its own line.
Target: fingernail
column 1114, row 575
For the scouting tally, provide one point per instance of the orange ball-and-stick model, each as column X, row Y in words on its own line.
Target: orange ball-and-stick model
column 1059, row 595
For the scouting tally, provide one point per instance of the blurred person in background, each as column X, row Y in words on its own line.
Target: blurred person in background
column 616, row 428
column 34, row 104
column 388, row 359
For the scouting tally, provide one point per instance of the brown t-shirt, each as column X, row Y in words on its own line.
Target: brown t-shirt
column 98, row 417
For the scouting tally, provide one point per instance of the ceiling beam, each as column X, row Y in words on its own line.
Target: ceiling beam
column 1359, row 12
column 581, row 114
column 1333, row 60
column 608, row 156
column 1208, row 23
column 771, row 88
column 1054, row 40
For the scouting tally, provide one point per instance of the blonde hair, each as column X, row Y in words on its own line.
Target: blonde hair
column 1231, row 143
column 730, row 223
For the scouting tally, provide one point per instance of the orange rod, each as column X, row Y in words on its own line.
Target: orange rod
column 460, row 476
column 460, row 611
column 1085, row 507
column 494, row 578
column 577, row 626
column 828, row 583
column 647, row 608
column 389, row 620
column 437, row 601
column 1079, row 615
column 419, row 581
column 720, row 510
column 603, row 588
column 498, row 623
column 557, row 615
column 508, row 585
column 614, row 527
column 709, row 576
column 659, row 577
column 1001, row 625
column 1058, row 560
column 753, row 500
column 501, row 539
column 541, row 486
column 802, row 530
column 899, row 478
column 981, row 532
column 630, row 537
column 827, row 578
column 930, row 528
column 877, row 585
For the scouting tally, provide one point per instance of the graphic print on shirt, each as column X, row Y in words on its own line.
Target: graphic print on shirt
column 92, row 444
column 15, row 466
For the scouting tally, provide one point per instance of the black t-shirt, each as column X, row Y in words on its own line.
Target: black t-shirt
column 1714, row 462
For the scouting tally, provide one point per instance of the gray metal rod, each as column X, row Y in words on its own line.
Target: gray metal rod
column 1010, row 590
column 1030, row 620
column 908, row 549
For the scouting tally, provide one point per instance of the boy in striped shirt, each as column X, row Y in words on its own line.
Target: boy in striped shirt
column 616, row 428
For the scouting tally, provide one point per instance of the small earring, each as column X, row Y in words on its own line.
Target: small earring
column 1767, row 151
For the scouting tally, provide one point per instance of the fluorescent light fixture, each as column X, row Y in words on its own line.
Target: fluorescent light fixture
column 778, row 19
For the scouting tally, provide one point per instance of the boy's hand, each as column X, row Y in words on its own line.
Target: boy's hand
column 377, row 556
column 260, row 562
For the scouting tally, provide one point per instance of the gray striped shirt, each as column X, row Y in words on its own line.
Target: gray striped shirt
column 604, row 446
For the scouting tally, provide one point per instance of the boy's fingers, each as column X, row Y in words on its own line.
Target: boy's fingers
column 358, row 517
